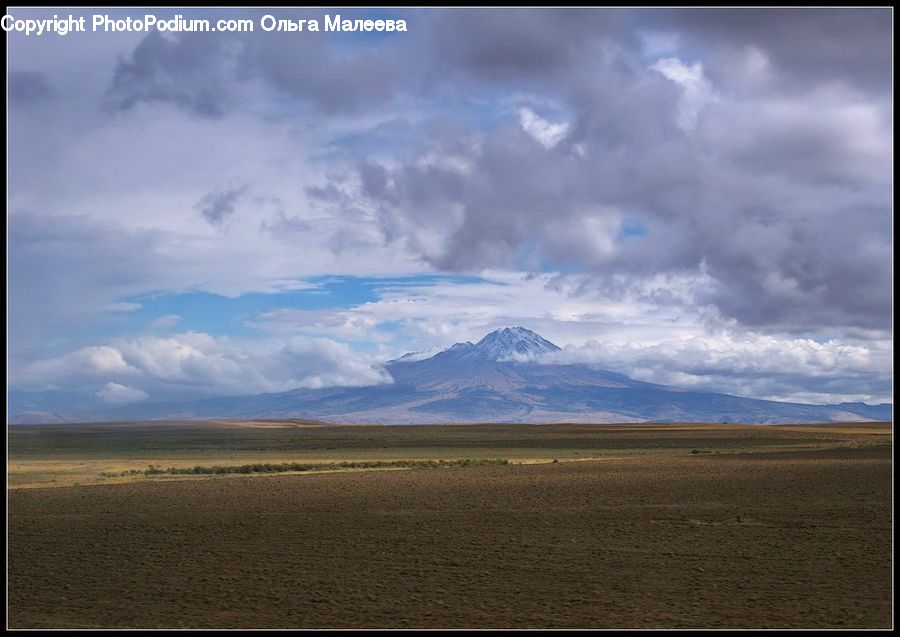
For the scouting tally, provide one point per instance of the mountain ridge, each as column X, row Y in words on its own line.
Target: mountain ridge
column 499, row 379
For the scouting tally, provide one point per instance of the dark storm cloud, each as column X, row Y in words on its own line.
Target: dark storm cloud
column 216, row 207
column 831, row 268
column 204, row 72
column 784, row 252
column 192, row 72
column 200, row 72
column 807, row 45
column 501, row 47
column 333, row 83
column 783, row 198
column 767, row 168
column 28, row 87
column 517, row 44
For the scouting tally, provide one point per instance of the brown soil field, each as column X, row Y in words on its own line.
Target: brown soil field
column 796, row 538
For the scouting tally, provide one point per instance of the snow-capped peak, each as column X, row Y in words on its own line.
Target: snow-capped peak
column 413, row 357
column 513, row 344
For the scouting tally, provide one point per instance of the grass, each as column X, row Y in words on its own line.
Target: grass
column 284, row 467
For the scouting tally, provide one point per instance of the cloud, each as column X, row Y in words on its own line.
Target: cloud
column 543, row 131
column 209, row 74
column 807, row 45
column 192, row 72
column 85, row 265
column 761, row 189
column 782, row 198
column 117, row 394
column 216, row 207
column 165, row 322
column 717, row 169
column 750, row 364
column 192, row 364
column 88, row 362
column 651, row 329
column 122, row 307
column 655, row 44
column 565, row 307
column 338, row 323
column 27, row 88
column 696, row 91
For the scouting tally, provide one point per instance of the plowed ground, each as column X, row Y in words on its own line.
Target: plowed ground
column 793, row 538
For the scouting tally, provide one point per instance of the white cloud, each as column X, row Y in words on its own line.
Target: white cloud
column 588, row 238
column 93, row 254
column 88, row 362
column 649, row 328
column 547, row 133
column 566, row 309
column 122, row 307
column 750, row 364
column 117, row 394
column 165, row 322
column 696, row 90
column 196, row 364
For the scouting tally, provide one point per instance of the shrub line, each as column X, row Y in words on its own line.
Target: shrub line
column 265, row 467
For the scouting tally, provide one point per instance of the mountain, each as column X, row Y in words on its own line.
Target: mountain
column 34, row 418
column 500, row 379
column 512, row 343
column 884, row 411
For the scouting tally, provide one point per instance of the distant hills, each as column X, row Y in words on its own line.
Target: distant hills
column 497, row 379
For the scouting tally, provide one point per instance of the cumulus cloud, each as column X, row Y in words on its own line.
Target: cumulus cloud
column 773, row 172
column 545, row 132
column 562, row 307
column 198, row 364
column 781, row 197
column 116, row 394
column 749, row 364
column 87, row 362
column 651, row 329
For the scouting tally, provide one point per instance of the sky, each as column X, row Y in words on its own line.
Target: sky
column 694, row 197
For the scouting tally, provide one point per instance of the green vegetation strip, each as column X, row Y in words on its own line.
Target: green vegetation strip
column 297, row 466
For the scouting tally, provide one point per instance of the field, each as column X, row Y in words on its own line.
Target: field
column 632, row 526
